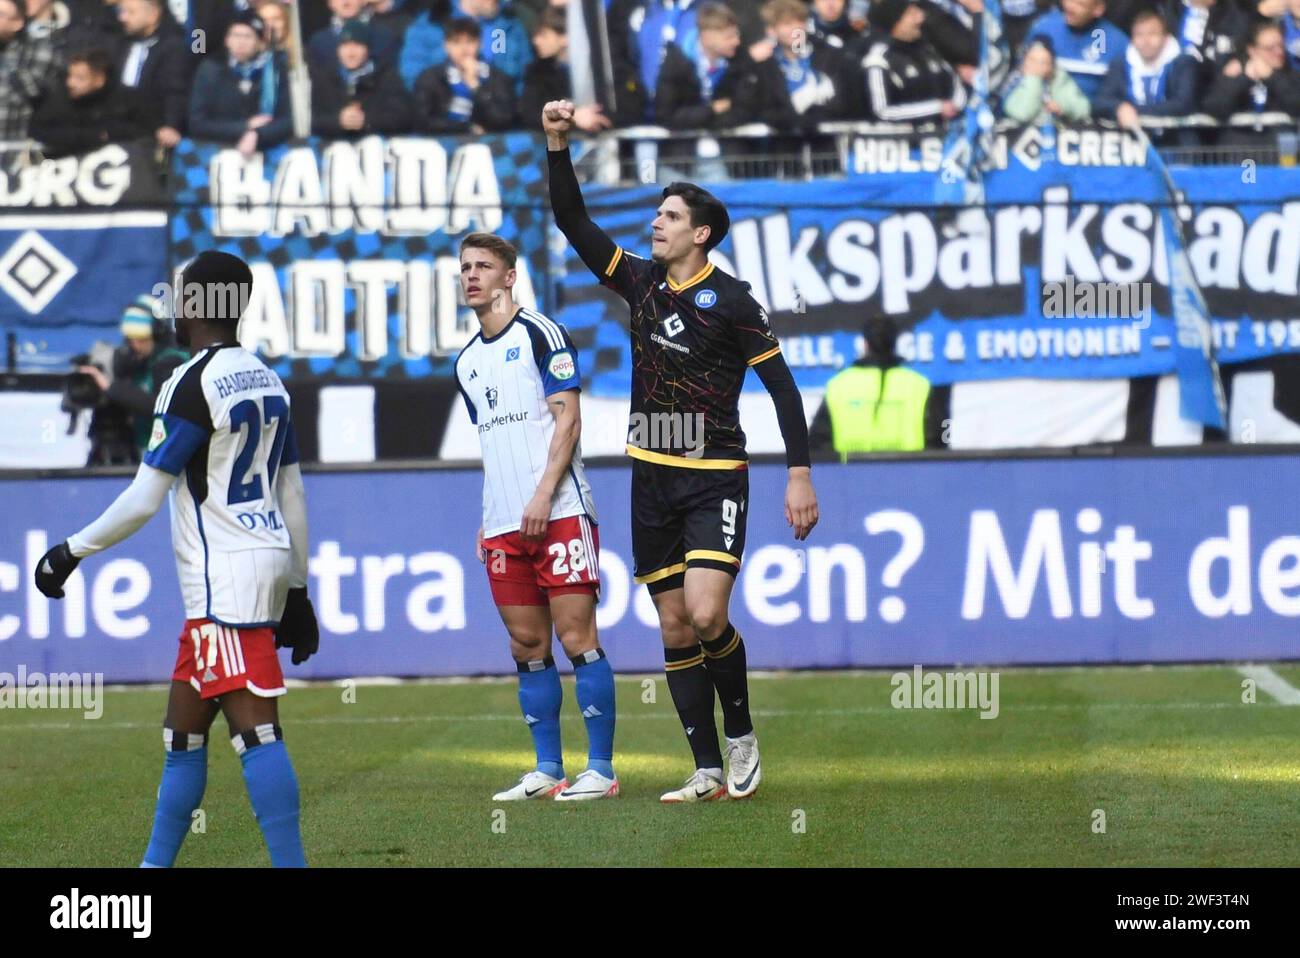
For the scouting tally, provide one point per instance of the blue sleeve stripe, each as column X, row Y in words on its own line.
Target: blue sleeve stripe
column 553, row 384
column 181, row 440
column 289, row 455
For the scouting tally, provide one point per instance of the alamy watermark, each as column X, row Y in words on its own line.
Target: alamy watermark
column 54, row 690
column 919, row 689
column 220, row 301
column 1080, row 299
column 667, row 430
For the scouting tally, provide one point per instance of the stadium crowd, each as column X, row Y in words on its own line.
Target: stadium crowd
column 78, row 73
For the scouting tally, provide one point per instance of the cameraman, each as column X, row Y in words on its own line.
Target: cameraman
column 119, row 428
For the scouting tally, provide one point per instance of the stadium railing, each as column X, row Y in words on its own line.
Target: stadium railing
column 646, row 154
column 635, row 154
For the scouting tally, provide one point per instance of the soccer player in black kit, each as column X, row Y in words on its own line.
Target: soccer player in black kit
column 695, row 332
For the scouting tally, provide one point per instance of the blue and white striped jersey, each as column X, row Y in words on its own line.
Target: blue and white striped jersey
column 505, row 381
column 221, row 426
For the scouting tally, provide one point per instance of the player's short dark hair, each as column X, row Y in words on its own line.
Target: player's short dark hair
column 503, row 248
column 221, row 283
column 463, row 27
column 1148, row 13
column 706, row 210
column 95, row 58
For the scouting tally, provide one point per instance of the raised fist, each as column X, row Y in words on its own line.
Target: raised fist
column 557, row 117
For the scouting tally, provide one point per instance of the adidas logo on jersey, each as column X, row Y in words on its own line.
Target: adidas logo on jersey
column 209, row 675
column 473, row 375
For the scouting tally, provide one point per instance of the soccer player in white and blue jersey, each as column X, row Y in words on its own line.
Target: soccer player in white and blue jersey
column 223, row 449
column 520, row 380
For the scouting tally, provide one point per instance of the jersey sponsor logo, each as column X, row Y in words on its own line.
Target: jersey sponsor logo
column 656, row 338
column 673, row 325
column 491, row 397
column 705, row 298
column 267, row 520
column 159, row 434
column 507, row 419
column 512, row 354
column 561, row 366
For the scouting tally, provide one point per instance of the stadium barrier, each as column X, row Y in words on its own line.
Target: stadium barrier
column 992, row 561
column 354, row 245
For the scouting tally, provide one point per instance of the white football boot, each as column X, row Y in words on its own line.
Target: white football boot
column 534, row 784
column 700, row 787
column 588, row 786
column 743, row 769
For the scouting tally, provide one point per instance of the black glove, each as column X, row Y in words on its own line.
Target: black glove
column 298, row 629
column 53, row 570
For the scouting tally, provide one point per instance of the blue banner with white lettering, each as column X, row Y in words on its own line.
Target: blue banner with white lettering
column 979, row 562
column 80, row 238
column 1062, row 273
column 354, row 245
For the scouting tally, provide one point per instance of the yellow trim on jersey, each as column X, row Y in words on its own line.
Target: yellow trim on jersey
column 683, row 462
column 684, row 664
column 658, row 574
column 613, row 260
column 762, row 356
column 708, row 268
column 710, row 554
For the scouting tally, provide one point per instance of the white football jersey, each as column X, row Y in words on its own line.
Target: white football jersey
column 221, row 426
column 505, row 381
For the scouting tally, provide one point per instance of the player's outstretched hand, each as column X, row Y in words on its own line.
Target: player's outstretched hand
column 298, row 629
column 557, row 117
column 478, row 546
column 53, row 570
column 801, row 504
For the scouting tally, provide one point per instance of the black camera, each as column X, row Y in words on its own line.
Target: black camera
column 80, row 391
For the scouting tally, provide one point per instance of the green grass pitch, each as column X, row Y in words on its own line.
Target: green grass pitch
column 1184, row 772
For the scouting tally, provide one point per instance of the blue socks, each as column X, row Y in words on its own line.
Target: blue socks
column 185, row 776
column 273, row 793
column 595, row 680
column 540, row 696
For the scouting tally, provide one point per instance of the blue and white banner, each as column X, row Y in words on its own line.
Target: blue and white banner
column 979, row 562
column 80, row 238
column 1063, row 274
column 354, row 245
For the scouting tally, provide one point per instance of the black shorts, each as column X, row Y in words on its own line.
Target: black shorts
column 686, row 517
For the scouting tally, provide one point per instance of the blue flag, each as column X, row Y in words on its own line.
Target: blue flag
column 1200, row 389
column 967, row 148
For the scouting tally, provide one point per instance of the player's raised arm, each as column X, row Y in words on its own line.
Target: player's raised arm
column 596, row 248
column 128, row 512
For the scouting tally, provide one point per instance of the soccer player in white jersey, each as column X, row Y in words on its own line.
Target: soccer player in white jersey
column 223, row 448
column 519, row 378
